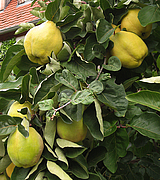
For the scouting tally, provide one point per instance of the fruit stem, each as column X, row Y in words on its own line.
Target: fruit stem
column 55, row 110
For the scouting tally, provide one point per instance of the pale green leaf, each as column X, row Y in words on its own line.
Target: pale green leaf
column 57, row 170
column 146, row 98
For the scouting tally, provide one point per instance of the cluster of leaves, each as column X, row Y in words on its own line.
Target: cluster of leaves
column 121, row 105
column 5, row 46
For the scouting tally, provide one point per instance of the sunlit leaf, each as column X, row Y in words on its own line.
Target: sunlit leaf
column 146, row 98
column 57, row 170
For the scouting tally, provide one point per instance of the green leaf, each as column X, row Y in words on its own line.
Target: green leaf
column 98, row 51
column 148, row 15
column 155, row 79
column 129, row 82
column 83, row 97
column 104, row 4
column 114, row 64
column 34, row 75
column 46, row 105
column 74, row 111
column 61, row 156
column 78, row 168
column 7, row 124
column 96, row 86
column 57, row 170
column 97, row 13
column 52, row 12
column 99, row 115
column 104, row 30
column 90, row 119
column 11, row 94
column 147, row 124
column 81, row 68
column 68, row 79
column 20, row 173
column 23, row 131
column 116, row 145
column 146, row 98
column 71, row 149
column 109, row 127
column 4, row 163
column 50, row 130
column 94, row 157
column 69, row 21
column 64, row 53
column 25, row 90
column 13, row 56
column 2, row 147
column 90, row 41
column 49, row 84
column 3, row 104
column 11, row 84
column 62, row 143
column 115, row 100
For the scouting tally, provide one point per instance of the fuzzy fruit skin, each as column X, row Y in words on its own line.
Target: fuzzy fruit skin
column 25, row 152
column 41, row 40
column 16, row 105
column 129, row 48
column 132, row 24
column 74, row 132
column 10, row 169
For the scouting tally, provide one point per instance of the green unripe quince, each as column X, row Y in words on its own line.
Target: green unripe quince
column 74, row 132
column 41, row 40
column 17, row 106
column 25, row 152
column 129, row 48
column 132, row 24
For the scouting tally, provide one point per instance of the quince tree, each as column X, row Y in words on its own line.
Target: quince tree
column 79, row 95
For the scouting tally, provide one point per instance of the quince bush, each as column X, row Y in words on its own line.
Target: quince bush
column 79, row 97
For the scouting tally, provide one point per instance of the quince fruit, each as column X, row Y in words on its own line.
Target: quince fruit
column 41, row 40
column 10, row 169
column 17, row 106
column 74, row 132
column 129, row 48
column 132, row 24
column 25, row 152
column 117, row 30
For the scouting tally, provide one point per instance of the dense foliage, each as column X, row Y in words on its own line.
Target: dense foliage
column 121, row 105
column 5, row 46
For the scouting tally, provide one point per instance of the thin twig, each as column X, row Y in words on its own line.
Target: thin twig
column 55, row 110
column 105, row 61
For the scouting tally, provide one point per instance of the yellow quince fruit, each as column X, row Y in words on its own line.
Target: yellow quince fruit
column 10, row 169
column 129, row 48
column 13, row 110
column 25, row 151
column 74, row 132
column 41, row 40
column 132, row 24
